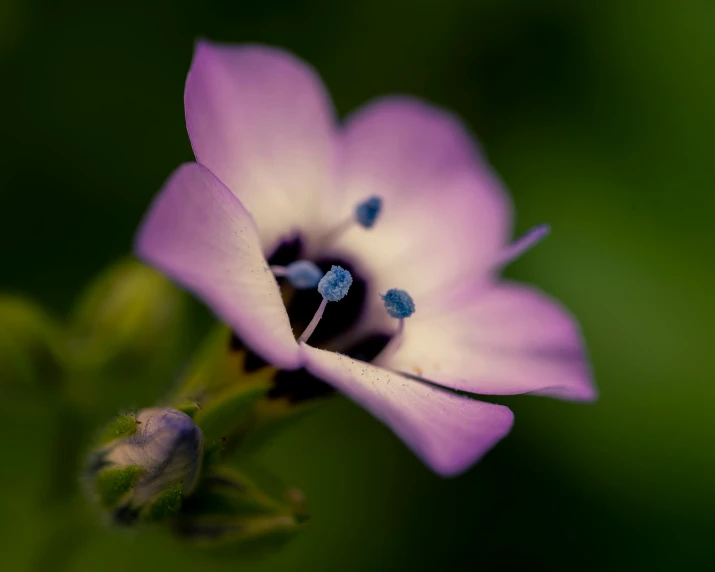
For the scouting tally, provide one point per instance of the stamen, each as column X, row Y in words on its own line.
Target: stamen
column 314, row 322
column 523, row 243
column 333, row 287
column 335, row 284
column 366, row 212
column 302, row 274
column 400, row 305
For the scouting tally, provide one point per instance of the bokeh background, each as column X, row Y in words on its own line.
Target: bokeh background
column 599, row 116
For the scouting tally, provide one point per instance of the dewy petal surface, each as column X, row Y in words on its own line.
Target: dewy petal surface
column 200, row 234
column 261, row 120
column 505, row 339
column 445, row 214
column 449, row 432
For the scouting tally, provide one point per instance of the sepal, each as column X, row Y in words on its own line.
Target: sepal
column 230, row 509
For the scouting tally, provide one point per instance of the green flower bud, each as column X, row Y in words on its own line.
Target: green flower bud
column 144, row 465
column 30, row 344
column 130, row 313
column 229, row 509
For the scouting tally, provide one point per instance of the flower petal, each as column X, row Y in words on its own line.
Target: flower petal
column 199, row 234
column 449, row 432
column 445, row 214
column 261, row 120
column 502, row 340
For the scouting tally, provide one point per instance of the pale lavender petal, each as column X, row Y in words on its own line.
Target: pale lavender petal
column 502, row 340
column 445, row 214
column 199, row 234
column 449, row 432
column 261, row 120
column 443, row 207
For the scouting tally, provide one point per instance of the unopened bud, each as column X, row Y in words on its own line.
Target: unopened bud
column 229, row 509
column 30, row 344
column 144, row 465
column 129, row 313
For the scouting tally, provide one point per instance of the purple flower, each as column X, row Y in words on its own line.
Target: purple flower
column 273, row 165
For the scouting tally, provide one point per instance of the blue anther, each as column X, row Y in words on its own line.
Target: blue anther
column 335, row 284
column 303, row 274
column 398, row 303
column 367, row 211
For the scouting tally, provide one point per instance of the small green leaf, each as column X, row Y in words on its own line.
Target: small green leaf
column 247, row 535
column 230, row 509
column 202, row 376
column 188, row 407
column 122, row 426
column 166, row 504
column 112, row 484
column 225, row 491
column 227, row 411
column 217, row 366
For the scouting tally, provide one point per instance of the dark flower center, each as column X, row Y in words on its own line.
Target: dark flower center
column 299, row 385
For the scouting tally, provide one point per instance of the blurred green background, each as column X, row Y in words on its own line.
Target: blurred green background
column 600, row 117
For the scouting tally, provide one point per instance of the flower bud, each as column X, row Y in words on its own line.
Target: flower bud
column 230, row 509
column 147, row 464
column 30, row 344
column 129, row 313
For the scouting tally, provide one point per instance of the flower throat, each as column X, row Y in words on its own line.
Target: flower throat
column 301, row 305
